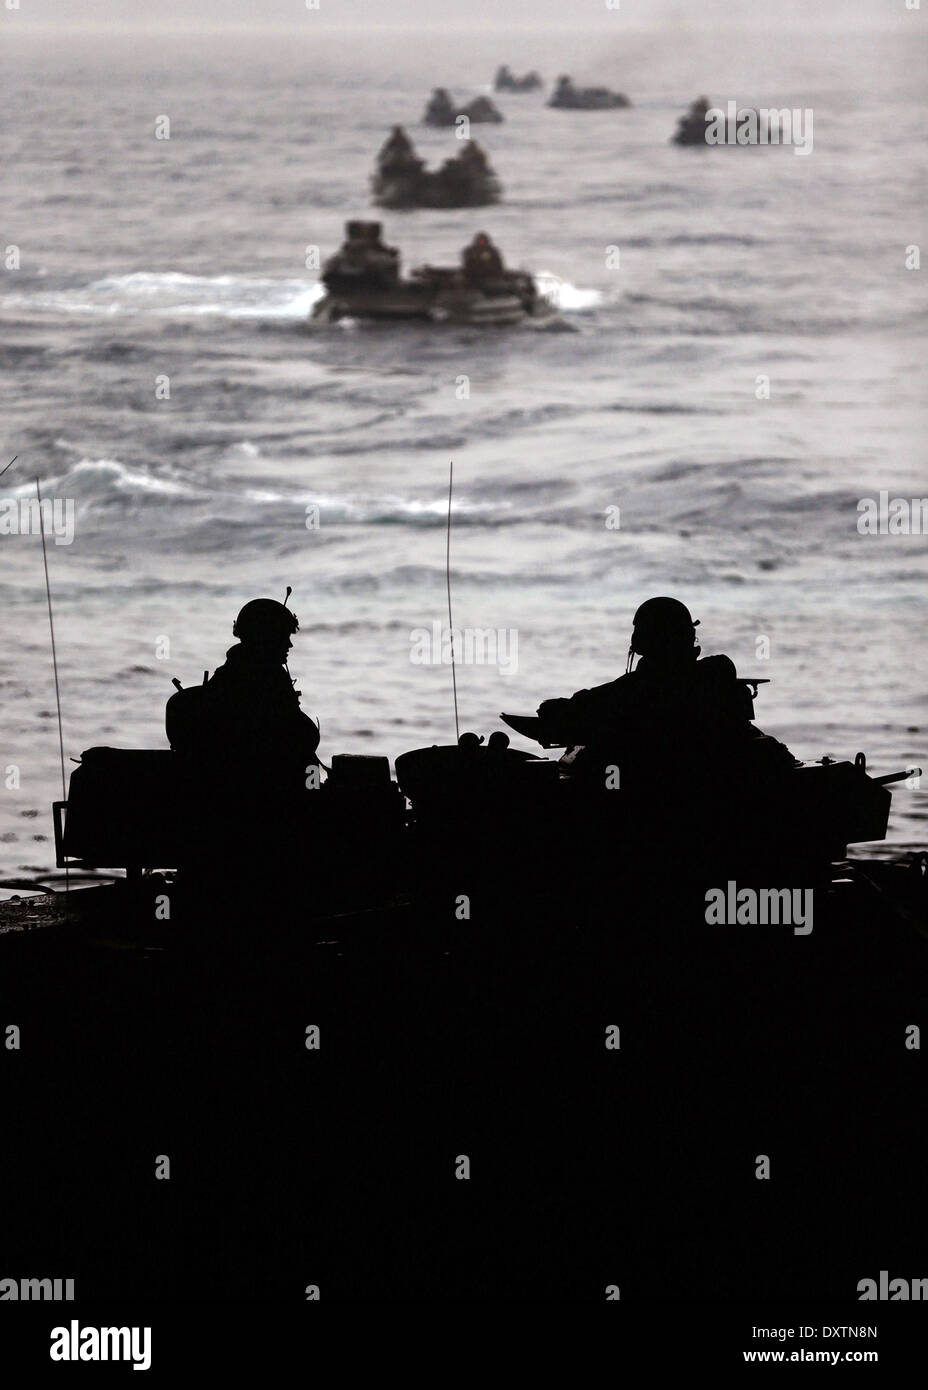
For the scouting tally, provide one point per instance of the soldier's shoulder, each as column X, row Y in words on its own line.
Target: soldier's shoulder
column 611, row 690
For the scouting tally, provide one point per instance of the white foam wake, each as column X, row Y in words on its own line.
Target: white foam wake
column 174, row 294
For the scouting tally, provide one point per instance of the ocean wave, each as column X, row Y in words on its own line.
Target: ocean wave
column 663, row 408
column 97, row 482
column 176, row 294
column 570, row 299
column 98, row 478
column 644, row 243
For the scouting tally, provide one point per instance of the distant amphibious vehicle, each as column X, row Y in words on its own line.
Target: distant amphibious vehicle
column 570, row 98
column 506, row 80
column 441, row 110
column 402, row 181
column 362, row 280
column 702, row 124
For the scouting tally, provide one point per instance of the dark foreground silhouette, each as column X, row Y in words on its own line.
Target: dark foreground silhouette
column 663, row 764
column 671, row 716
column 611, row 1066
column 489, row 1044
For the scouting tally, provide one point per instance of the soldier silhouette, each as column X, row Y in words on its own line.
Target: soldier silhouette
column 242, row 733
column 481, row 260
column 673, row 714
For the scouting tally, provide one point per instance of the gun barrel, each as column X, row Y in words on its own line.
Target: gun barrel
column 897, row 776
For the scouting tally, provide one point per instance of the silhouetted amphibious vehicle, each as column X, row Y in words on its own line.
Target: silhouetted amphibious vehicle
column 506, row 80
column 698, row 127
column 567, row 97
column 402, row 181
column 489, row 807
column 442, row 110
column 476, row 811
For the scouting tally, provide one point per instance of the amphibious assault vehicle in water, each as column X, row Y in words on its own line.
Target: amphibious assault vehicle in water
column 441, row 110
column 567, row 97
column 362, row 280
column 506, row 80
column 401, row 179
column 697, row 127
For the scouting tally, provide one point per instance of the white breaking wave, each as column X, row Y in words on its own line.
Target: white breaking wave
column 174, row 294
column 337, row 509
column 89, row 480
column 102, row 476
column 570, row 299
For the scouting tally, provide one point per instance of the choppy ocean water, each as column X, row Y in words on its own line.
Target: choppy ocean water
column 185, row 258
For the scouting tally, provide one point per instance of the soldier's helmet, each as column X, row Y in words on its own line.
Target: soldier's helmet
column 264, row 619
column 662, row 624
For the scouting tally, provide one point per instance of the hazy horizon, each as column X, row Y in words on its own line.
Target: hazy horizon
column 40, row 16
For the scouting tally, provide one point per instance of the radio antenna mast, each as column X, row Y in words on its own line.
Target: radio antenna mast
column 51, row 628
column 454, row 679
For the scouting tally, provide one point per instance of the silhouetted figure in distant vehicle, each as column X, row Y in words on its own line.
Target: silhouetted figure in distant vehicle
column 397, row 157
column 672, row 716
column 481, row 260
column 691, row 127
column 246, row 741
column 362, row 262
column 473, row 157
column 440, row 109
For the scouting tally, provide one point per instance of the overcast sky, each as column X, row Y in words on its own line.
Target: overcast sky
column 472, row 14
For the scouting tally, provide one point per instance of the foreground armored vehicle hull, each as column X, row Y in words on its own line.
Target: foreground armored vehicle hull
column 320, row 1004
column 474, row 811
column 613, row 1070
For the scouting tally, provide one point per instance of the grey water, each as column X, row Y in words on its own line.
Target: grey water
column 685, row 277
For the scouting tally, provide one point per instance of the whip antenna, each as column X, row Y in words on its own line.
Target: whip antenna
column 51, row 628
column 454, row 679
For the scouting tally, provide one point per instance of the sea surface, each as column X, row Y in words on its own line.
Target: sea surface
column 186, row 258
